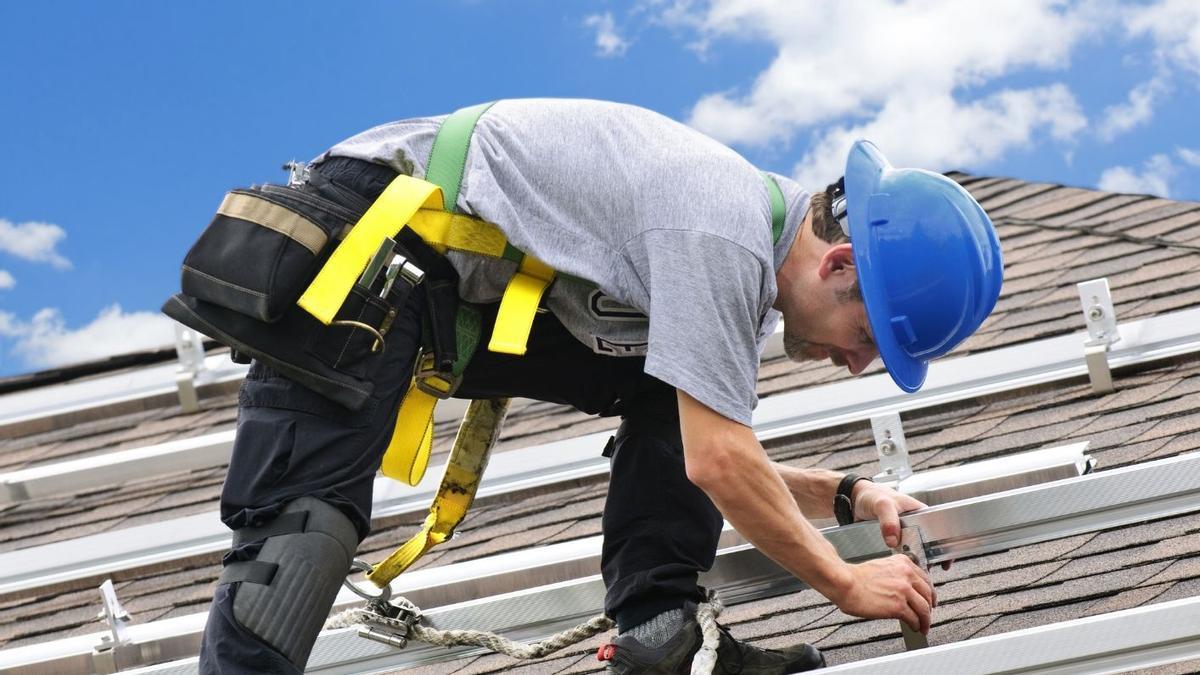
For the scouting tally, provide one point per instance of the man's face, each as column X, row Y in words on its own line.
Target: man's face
column 838, row 332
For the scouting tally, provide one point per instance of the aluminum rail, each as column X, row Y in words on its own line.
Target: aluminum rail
column 107, row 390
column 980, row 374
column 819, row 407
column 972, row 527
column 1116, row 642
column 203, row 533
column 49, row 480
column 201, row 452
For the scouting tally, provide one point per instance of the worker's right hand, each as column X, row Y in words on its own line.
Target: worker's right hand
column 889, row 588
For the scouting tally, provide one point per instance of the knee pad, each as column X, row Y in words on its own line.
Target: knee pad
column 286, row 591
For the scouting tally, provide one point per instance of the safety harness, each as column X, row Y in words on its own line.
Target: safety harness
column 428, row 209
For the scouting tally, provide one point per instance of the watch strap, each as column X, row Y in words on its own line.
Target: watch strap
column 843, row 499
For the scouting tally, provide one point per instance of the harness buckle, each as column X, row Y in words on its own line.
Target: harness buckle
column 428, row 379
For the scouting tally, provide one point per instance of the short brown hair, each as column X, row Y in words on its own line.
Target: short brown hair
column 827, row 229
column 823, row 223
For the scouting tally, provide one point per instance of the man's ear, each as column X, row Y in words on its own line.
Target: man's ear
column 839, row 257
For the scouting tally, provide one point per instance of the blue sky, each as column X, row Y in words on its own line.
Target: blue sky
column 122, row 123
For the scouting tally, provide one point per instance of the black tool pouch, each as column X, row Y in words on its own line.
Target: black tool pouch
column 243, row 276
column 262, row 248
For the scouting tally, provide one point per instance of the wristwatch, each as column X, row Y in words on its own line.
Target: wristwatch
column 843, row 500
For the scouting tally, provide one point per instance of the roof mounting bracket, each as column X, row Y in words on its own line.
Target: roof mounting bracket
column 104, row 655
column 297, row 173
column 190, row 349
column 892, row 448
column 912, row 544
column 1101, row 321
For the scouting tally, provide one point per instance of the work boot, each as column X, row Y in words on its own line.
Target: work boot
column 627, row 656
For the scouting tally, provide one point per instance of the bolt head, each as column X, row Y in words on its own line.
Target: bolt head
column 888, row 447
column 1096, row 313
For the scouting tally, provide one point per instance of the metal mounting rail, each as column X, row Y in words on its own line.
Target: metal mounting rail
column 820, row 407
column 974, row 375
column 48, row 564
column 107, row 390
column 1116, row 642
column 825, row 406
column 1157, row 489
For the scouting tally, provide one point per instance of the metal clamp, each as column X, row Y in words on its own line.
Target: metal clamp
column 912, row 544
column 1101, row 321
column 892, row 448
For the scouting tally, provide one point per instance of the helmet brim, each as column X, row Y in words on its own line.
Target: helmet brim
column 865, row 168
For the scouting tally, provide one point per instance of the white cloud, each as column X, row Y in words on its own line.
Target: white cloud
column 939, row 132
column 608, row 41
column 1152, row 179
column 1189, row 156
column 917, row 77
column 1174, row 25
column 45, row 341
column 33, row 241
column 1138, row 109
column 6, row 280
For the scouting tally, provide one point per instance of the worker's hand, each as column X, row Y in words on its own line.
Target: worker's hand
column 889, row 588
column 873, row 501
column 878, row 502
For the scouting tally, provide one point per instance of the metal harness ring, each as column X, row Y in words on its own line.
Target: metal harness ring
column 358, row 565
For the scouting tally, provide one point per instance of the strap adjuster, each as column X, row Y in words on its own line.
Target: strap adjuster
column 429, row 380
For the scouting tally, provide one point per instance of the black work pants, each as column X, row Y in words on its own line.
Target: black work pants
column 660, row 531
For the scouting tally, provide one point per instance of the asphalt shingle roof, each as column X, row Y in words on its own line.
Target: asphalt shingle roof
column 1052, row 236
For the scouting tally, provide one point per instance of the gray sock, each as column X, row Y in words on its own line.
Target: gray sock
column 658, row 630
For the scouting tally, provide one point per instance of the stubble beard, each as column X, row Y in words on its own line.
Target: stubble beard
column 796, row 347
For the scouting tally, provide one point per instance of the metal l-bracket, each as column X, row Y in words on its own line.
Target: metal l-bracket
column 913, row 546
column 1101, row 321
column 892, row 448
column 190, row 349
column 104, row 655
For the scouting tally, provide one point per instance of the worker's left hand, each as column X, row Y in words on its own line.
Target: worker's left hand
column 878, row 502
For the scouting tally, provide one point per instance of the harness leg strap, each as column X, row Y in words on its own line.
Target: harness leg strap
column 285, row 594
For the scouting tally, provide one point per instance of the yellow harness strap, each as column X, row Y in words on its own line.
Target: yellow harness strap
column 395, row 207
column 520, row 302
column 479, row 431
column 407, row 454
column 417, row 203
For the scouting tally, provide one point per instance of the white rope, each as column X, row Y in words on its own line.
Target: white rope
column 702, row 663
column 705, row 659
column 477, row 638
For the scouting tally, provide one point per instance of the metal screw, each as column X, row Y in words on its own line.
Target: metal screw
column 1095, row 313
column 887, row 447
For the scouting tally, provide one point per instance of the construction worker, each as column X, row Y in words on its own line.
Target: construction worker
column 672, row 272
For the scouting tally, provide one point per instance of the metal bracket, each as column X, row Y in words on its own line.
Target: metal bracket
column 1101, row 321
column 892, row 448
column 912, row 544
column 297, row 173
column 104, row 655
column 190, row 349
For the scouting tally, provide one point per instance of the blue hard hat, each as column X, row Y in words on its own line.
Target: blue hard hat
column 928, row 260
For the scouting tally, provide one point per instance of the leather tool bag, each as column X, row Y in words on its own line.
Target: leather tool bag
column 242, row 277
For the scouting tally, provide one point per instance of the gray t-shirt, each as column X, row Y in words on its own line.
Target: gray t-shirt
column 668, row 223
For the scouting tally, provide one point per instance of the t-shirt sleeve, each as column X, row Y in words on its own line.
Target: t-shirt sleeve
column 706, row 305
